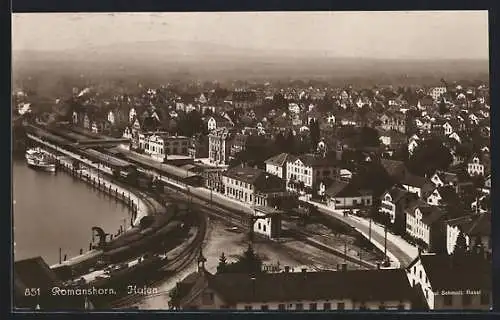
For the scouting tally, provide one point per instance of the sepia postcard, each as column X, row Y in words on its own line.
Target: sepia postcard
column 251, row 161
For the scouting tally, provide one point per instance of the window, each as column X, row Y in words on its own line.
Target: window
column 340, row 306
column 448, row 300
column 264, row 307
column 299, row 306
column 313, row 306
column 420, row 274
column 485, row 298
column 413, row 283
column 281, row 306
column 466, row 299
column 327, row 306
column 248, row 307
column 264, row 228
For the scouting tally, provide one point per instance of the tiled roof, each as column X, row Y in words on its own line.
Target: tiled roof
column 431, row 214
column 359, row 285
column 35, row 273
column 394, row 168
column 414, row 181
column 457, row 272
column 278, row 160
column 348, row 188
column 397, row 193
column 448, row 194
column 252, row 176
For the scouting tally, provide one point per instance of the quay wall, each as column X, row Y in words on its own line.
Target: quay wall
column 136, row 204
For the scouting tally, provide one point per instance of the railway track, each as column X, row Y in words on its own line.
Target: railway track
column 173, row 266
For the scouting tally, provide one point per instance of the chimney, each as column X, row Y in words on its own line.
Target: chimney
column 287, row 269
column 344, row 266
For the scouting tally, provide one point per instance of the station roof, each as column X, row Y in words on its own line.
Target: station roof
column 106, row 158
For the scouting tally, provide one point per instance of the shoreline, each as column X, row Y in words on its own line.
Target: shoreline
column 129, row 198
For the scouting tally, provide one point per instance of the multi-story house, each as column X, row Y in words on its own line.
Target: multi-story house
column 416, row 184
column 277, row 165
column 437, row 92
column 305, row 172
column 198, row 147
column 479, row 165
column 244, row 99
column 453, row 282
column 393, row 203
column 219, row 146
column 476, row 229
column 298, row 291
column 349, row 194
column 251, row 186
column 159, row 145
column 217, row 121
column 442, row 196
column 393, row 121
column 425, row 223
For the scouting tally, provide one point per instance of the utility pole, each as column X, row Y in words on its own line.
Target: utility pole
column 370, row 230
column 385, row 242
column 345, row 252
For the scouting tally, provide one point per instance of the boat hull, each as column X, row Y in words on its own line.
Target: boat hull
column 43, row 167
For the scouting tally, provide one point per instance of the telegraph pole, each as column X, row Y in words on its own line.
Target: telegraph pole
column 385, row 242
column 345, row 252
column 370, row 230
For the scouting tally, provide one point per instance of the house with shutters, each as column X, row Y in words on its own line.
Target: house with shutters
column 304, row 172
column 425, row 224
column 394, row 203
column 479, row 165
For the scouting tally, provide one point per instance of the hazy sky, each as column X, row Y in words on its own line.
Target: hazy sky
column 450, row 34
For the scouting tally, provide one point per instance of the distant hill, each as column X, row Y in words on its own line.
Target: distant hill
column 212, row 61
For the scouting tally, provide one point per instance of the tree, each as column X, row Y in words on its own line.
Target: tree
column 290, row 143
column 191, row 124
column 222, row 266
column 460, row 245
column 429, row 156
column 443, row 108
column 314, row 133
column 175, row 297
column 249, row 262
column 280, row 143
column 369, row 137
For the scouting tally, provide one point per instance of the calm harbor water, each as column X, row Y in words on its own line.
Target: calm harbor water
column 53, row 211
